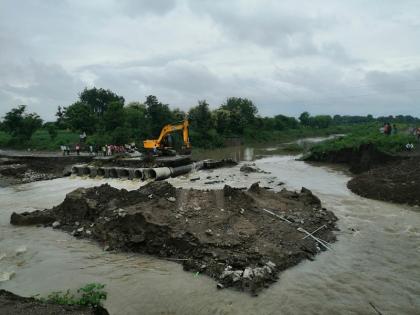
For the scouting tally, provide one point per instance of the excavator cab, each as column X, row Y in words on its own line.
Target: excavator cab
column 164, row 144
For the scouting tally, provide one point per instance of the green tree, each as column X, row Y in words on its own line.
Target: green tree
column 21, row 125
column 158, row 114
column 52, row 129
column 98, row 100
column 135, row 118
column 304, row 119
column 79, row 117
column 114, row 116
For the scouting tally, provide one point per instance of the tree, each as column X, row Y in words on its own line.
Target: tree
column 304, row 118
column 80, row 118
column 52, row 129
column 282, row 122
column 200, row 117
column 135, row 118
column 242, row 114
column 158, row 114
column 21, row 125
column 114, row 116
column 60, row 114
column 98, row 100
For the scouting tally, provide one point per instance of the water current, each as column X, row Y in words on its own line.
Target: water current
column 376, row 259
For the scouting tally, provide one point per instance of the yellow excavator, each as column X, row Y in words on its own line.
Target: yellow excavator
column 164, row 146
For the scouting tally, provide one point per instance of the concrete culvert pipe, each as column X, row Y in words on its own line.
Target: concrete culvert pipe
column 83, row 170
column 184, row 169
column 93, row 171
column 160, row 173
column 100, row 172
column 148, row 173
column 138, row 173
column 113, row 173
column 123, row 172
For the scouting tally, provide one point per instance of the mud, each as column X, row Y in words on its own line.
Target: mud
column 12, row 304
column 26, row 169
column 360, row 159
column 224, row 234
column 397, row 182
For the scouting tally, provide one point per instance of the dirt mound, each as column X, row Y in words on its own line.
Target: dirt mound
column 397, row 182
column 360, row 159
column 12, row 304
column 225, row 234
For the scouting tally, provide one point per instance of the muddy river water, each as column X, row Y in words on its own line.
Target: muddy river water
column 375, row 260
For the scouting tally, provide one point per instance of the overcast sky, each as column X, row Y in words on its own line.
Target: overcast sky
column 322, row 56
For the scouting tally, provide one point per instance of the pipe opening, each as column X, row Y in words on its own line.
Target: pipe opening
column 124, row 173
column 113, row 173
column 101, row 172
column 138, row 174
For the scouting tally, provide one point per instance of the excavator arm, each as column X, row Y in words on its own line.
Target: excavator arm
column 166, row 130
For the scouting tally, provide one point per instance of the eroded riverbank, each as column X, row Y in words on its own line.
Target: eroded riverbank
column 377, row 254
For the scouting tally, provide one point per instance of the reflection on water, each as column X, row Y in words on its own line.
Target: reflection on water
column 376, row 259
column 251, row 153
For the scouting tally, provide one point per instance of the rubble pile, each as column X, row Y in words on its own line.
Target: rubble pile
column 241, row 238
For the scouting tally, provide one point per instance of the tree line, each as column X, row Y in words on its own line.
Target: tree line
column 106, row 118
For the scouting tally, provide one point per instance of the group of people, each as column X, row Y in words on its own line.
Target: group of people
column 387, row 129
column 111, row 149
column 93, row 149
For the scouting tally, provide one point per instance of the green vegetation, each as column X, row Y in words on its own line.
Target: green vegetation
column 106, row 119
column 91, row 294
column 366, row 134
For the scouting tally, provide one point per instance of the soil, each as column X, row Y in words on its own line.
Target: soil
column 397, row 182
column 26, row 169
column 360, row 159
column 224, row 234
column 12, row 304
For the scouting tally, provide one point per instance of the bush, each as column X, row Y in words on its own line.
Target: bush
column 91, row 294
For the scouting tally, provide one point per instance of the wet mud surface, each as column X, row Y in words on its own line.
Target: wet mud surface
column 12, row 304
column 27, row 169
column 225, row 234
column 360, row 159
column 398, row 182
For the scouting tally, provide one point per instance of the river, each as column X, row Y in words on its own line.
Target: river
column 375, row 260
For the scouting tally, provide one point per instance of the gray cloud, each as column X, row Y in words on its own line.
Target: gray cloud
column 344, row 57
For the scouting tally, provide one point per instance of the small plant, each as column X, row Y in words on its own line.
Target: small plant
column 92, row 294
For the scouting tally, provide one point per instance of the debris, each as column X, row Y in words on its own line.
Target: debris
column 229, row 230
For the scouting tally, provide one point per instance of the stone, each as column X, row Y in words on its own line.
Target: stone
column 55, row 224
column 248, row 273
column 172, row 199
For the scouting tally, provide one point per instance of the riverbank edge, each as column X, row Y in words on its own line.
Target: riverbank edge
column 13, row 304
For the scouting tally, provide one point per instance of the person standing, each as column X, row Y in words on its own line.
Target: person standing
column 78, row 149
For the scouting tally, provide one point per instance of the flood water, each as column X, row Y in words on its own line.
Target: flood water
column 375, row 260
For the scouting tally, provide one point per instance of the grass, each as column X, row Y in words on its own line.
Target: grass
column 369, row 134
column 91, row 294
column 41, row 140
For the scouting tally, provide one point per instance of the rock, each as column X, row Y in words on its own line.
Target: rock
column 55, row 224
column 194, row 179
column 271, row 265
column 220, row 286
column 209, row 232
column 80, row 230
column 172, row 199
column 88, row 232
column 248, row 273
